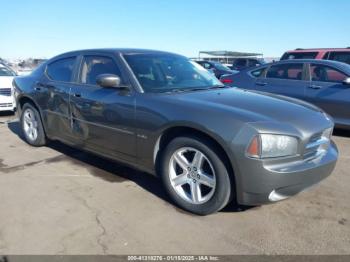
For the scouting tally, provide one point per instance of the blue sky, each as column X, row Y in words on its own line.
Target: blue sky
column 41, row 28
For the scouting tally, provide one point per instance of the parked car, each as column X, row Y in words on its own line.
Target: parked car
column 7, row 101
column 244, row 63
column 321, row 82
column 335, row 54
column 163, row 114
column 216, row 68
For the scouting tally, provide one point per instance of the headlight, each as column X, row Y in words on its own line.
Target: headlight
column 269, row 146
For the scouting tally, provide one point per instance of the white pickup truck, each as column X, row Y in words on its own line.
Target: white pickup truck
column 7, row 101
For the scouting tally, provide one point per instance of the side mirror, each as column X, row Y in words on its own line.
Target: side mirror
column 109, row 80
column 346, row 81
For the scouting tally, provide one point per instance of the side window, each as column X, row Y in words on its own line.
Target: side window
column 286, row 71
column 299, row 55
column 93, row 66
column 340, row 56
column 323, row 73
column 257, row 73
column 61, row 70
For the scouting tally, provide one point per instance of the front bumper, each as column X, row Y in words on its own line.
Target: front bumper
column 264, row 183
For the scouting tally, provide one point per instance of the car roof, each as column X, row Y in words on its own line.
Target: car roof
column 302, row 50
column 123, row 51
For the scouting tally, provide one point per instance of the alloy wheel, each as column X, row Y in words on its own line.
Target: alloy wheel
column 30, row 124
column 192, row 175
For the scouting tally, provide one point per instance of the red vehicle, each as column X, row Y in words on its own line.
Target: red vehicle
column 336, row 54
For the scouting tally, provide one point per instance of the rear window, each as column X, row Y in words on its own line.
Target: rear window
column 286, row 71
column 299, row 55
column 61, row 70
column 340, row 56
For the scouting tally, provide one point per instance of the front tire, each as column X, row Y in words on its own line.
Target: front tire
column 32, row 127
column 194, row 176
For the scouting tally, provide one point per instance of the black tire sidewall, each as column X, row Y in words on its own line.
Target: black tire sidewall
column 223, row 188
column 41, row 138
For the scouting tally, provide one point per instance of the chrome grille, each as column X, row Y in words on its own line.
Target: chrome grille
column 5, row 91
column 5, row 105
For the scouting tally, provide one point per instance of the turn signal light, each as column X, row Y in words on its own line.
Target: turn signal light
column 254, row 147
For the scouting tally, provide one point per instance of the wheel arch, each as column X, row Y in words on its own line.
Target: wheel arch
column 177, row 131
column 21, row 101
column 26, row 99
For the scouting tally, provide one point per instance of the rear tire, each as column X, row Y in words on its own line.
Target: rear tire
column 31, row 126
column 194, row 176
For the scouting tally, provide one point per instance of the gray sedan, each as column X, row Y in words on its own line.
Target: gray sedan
column 321, row 82
column 163, row 114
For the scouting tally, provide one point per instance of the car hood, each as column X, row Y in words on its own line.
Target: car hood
column 6, row 81
column 250, row 106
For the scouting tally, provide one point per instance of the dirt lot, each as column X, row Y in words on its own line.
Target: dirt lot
column 57, row 200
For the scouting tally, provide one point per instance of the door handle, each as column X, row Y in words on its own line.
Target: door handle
column 261, row 83
column 77, row 95
column 315, row 87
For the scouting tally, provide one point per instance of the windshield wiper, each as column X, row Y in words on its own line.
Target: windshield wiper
column 207, row 88
column 176, row 90
column 181, row 90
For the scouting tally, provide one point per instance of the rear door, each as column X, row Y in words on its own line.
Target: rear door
column 53, row 96
column 103, row 118
column 326, row 90
column 284, row 79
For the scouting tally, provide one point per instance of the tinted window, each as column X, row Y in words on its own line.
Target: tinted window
column 286, row 71
column 61, row 70
column 169, row 73
column 299, row 55
column 340, row 56
column 326, row 74
column 257, row 73
column 93, row 66
column 241, row 62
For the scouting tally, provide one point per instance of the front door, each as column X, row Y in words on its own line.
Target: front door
column 103, row 118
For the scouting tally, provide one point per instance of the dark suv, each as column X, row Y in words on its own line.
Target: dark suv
column 335, row 54
column 163, row 114
column 244, row 63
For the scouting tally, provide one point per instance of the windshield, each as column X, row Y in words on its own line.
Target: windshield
column 166, row 72
column 6, row 72
column 222, row 67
